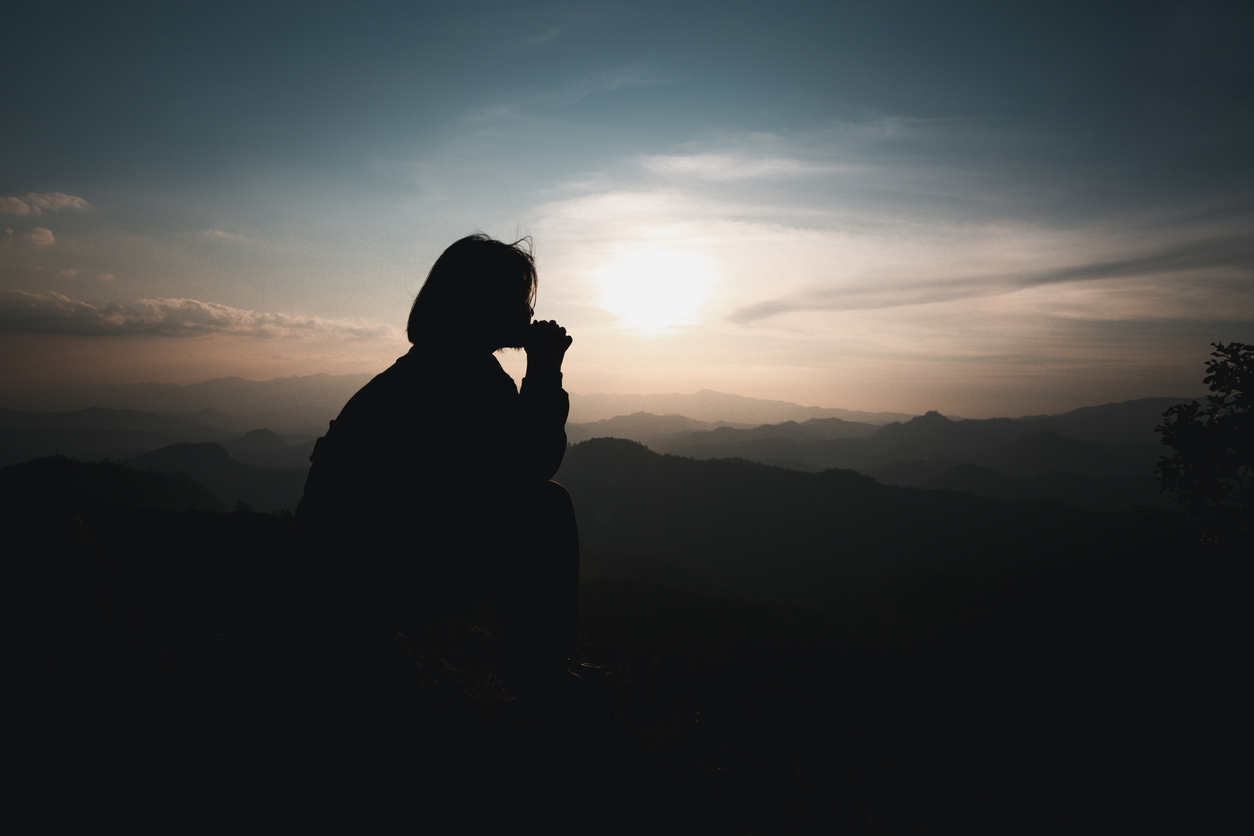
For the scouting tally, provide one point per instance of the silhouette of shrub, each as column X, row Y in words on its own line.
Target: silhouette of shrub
column 1209, row 468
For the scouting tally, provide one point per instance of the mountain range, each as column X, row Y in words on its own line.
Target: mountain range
column 722, row 526
column 751, row 530
column 285, row 404
column 715, row 407
column 1105, row 459
column 306, row 403
column 1099, row 457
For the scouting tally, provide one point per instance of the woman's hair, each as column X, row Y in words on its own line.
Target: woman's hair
column 473, row 282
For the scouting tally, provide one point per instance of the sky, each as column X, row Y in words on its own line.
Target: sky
column 982, row 208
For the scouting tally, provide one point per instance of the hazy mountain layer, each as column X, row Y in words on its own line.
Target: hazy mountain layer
column 1084, row 467
column 1097, row 457
column 715, row 407
column 285, row 404
column 96, row 434
column 232, row 482
column 642, row 427
column 1112, row 423
column 306, row 404
column 748, row 529
column 725, row 526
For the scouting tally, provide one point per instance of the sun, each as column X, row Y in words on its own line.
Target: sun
column 652, row 288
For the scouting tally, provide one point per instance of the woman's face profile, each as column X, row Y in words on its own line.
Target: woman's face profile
column 508, row 325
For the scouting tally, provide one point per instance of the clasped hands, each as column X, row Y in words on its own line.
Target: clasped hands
column 546, row 343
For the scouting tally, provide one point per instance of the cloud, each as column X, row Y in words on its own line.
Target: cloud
column 729, row 167
column 498, row 113
column 882, row 216
column 53, row 313
column 625, row 78
column 39, row 237
column 543, row 38
column 1231, row 255
column 32, row 203
column 105, row 277
column 67, row 273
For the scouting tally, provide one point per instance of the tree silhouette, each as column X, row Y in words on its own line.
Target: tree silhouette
column 1209, row 469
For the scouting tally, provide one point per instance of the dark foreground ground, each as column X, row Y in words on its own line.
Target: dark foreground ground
column 171, row 676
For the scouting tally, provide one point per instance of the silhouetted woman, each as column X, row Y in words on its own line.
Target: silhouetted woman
column 431, row 491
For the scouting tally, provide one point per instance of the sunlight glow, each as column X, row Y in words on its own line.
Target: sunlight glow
column 650, row 288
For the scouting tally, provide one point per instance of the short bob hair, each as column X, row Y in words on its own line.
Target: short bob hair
column 470, row 281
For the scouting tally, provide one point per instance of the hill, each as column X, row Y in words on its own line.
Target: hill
column 1108, row 460
column 746, row 529
column 1125, row 422
column 60, row 481
column 95, row 434
column 264, row 489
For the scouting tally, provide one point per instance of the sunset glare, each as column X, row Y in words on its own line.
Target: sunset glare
column 652, row 288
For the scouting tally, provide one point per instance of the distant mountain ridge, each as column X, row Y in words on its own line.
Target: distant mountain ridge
column 306, row 403
column 1108, row 452
column 263, row 488
column 98, row 433
column 710, row 406
column 1100, row 457
column 285, row 404
column 641, row 426
column 1109, row 423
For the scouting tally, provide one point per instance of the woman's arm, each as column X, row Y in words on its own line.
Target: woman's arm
column 544, row 403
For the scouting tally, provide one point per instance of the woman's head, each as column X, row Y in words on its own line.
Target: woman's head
column 479, row 291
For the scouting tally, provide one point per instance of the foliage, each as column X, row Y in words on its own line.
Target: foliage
column 1209, row 469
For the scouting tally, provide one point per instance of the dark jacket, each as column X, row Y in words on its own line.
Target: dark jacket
column 412, row 484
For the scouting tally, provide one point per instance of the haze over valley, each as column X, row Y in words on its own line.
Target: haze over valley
column 1095, row 457
column 707, row 498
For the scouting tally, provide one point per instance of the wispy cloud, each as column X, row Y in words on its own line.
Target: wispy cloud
column 888, row 216
column 543, row 38
column 32, row 203
column 39, row 237
column 608, row 81
column 729, row 167
column 53, row 313
column 1232, row 255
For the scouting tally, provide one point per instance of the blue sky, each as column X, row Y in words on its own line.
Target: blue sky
column 988, row 209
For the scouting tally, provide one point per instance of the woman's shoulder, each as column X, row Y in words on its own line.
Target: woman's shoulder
column 383, row 389
column 428, row 383
column 461, row 370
